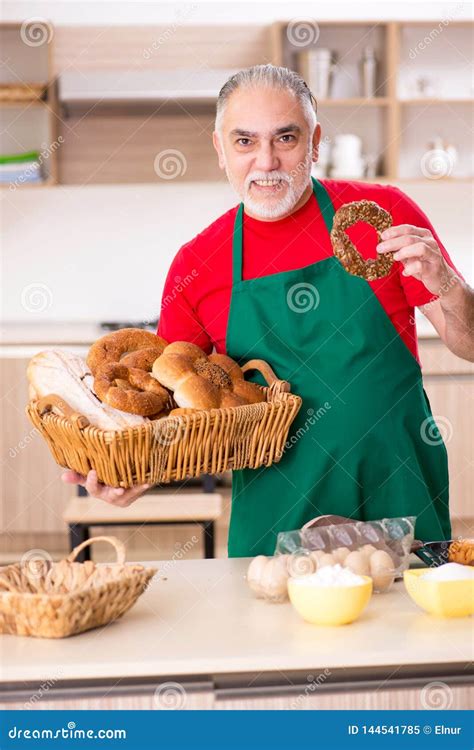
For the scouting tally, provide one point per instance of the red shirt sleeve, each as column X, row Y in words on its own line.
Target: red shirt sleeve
column 178, row 320
column 404, row 210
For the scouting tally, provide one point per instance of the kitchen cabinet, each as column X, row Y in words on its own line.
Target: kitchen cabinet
column 449, row 384
column 33, row 497
column 198, row 638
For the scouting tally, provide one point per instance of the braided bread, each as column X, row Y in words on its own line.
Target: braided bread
column 462, row 552
column 349, row 214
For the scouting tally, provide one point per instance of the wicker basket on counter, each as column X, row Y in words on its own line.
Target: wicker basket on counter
column 48, row 599
column 175, row 447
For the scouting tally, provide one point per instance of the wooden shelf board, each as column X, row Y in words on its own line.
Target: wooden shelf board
column 436, row 100
column 45, row 183
column 376, row 101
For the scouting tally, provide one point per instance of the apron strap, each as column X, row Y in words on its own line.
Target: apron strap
column 325, row 206
column 237, row 246
column 324, row 202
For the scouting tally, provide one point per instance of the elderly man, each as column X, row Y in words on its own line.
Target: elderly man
column 267, row 285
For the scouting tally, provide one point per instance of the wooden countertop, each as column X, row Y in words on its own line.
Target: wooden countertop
column 198, row 618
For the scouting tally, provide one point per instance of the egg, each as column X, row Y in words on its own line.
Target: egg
column 368, row 549
column 274, row 580
column 340, row 554
column 358, row 563
column 326, row 559
column 316, row 555
column 301, row 565
column 381, row 570
column 255, row 572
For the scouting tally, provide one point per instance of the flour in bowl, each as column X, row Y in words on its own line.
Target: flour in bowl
column 449, row 572
column 331, row 575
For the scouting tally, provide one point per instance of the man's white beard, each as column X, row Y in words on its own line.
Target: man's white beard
column 294, row 191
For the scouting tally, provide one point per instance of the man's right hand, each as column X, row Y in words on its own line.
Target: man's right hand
column 113, row 495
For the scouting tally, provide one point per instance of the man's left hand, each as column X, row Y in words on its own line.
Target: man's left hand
column 420, row 254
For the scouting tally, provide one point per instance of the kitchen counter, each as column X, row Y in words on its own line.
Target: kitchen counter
column 199, row 626
column 25, row 339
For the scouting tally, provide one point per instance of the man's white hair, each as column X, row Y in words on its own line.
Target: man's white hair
column 271, row 76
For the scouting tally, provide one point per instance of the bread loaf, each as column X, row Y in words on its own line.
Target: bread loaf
column 67, row 375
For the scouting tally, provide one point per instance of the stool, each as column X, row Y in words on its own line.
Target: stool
column 158, row 509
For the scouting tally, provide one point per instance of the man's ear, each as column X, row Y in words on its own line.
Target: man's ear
column 316, row 140
column 218, row 146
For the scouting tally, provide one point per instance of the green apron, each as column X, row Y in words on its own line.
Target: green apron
column 364, row 444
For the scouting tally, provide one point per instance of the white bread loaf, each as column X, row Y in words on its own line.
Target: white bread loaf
column 67, row 375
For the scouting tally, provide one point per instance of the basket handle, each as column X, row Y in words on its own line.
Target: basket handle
column 113, row 540
column 53, row 401
column 276, row 385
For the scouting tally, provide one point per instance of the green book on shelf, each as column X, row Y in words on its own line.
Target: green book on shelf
column 18, row 158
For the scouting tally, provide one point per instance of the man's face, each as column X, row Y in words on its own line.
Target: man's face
column 266, row 149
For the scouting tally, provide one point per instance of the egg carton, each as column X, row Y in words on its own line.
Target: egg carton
column 379, row 549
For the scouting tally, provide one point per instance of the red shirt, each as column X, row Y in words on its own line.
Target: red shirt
column 197, row 292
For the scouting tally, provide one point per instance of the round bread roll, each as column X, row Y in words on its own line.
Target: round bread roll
column 199, row 381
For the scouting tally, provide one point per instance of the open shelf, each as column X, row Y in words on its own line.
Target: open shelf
column 125, row 102
column 29, row 124
column 397, row 121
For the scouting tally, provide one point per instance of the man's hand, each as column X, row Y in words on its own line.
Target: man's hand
column 113, row 495
column 452, row 314
column 420, row 254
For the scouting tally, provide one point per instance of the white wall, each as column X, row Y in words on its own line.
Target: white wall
column 116, row 12
column 102, row 252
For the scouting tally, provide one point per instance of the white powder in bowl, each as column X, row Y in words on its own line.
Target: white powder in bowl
column 449, row 572
column 331, row 575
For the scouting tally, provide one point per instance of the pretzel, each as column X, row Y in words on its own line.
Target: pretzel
column 349, row 214
column 462, row 552
column 129, row 346
column 138, row 392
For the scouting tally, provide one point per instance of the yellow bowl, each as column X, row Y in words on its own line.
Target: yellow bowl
column 329, row 605
column 440, row 598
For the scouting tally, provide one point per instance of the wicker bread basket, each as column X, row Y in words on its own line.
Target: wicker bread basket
column 49, row 599
column 176, row 447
